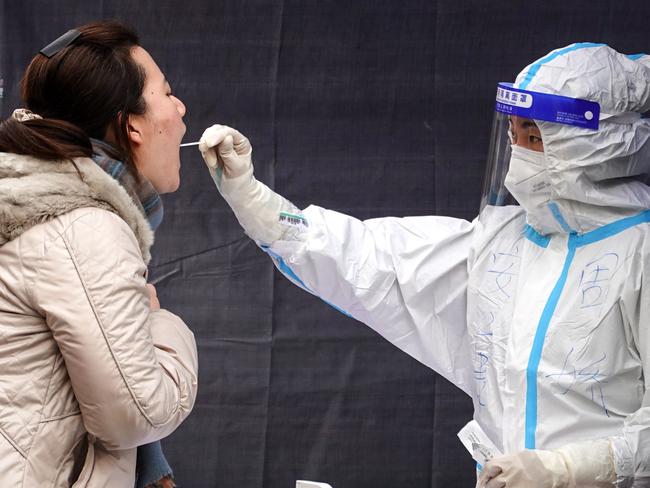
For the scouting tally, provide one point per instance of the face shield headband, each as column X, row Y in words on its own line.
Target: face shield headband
column 514, row 102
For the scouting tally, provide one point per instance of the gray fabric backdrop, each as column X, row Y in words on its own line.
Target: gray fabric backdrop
column 369, row 107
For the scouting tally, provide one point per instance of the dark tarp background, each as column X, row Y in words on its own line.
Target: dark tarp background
column 369, row 107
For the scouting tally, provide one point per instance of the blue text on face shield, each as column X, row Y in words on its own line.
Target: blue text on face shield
column 543, row 106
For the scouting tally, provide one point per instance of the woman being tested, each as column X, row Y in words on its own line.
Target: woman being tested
column 539, row 311
column 90, row 366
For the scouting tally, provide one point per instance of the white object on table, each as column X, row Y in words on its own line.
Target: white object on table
column 311, row 484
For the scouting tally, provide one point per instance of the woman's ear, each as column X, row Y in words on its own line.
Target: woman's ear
column 134, row 128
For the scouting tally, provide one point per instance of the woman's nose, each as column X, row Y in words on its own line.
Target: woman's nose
column 180, row 106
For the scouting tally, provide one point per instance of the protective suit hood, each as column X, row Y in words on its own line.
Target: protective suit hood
column 596, row 176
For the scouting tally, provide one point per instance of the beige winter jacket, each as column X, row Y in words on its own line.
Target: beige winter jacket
column 87, row 372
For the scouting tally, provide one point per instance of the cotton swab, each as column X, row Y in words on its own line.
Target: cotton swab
column 190, row 144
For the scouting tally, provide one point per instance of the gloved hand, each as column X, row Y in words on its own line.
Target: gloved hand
column 542, row 469
column 264, row 215
column 580, row 465
column 234, row 152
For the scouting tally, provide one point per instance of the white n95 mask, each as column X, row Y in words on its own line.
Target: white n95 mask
column 527, row 178
column 528, row 181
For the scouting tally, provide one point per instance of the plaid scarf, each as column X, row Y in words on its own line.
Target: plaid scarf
column 152, row 468
column 143, row 193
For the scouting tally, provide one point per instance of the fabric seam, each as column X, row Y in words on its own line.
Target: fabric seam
column 11, row 441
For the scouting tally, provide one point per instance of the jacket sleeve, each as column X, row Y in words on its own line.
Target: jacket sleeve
column 133, row 372
column 631, row 448
column 406, row 278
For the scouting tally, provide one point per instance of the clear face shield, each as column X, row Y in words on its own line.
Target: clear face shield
column 514, row 124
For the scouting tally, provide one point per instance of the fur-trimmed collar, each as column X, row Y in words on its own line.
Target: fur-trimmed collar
column 33, row 191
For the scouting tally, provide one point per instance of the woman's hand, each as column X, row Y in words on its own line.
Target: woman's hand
column 154, row 304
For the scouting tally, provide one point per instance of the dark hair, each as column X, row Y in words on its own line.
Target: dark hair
column 81, row 92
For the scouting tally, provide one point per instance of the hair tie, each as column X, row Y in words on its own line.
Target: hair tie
column 23, row 114
column 61, row 43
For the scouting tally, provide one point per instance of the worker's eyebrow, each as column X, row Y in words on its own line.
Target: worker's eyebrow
column 527, row 124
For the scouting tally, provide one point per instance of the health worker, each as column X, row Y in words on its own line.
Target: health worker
column 539, row 311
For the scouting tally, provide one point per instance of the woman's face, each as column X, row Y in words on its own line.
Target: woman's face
column 156, row 135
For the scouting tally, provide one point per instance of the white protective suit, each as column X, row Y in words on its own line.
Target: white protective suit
column 543, row 318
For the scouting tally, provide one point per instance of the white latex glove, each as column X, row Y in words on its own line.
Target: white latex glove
column 265, row 216
column 234, row 152
column 580, row 465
